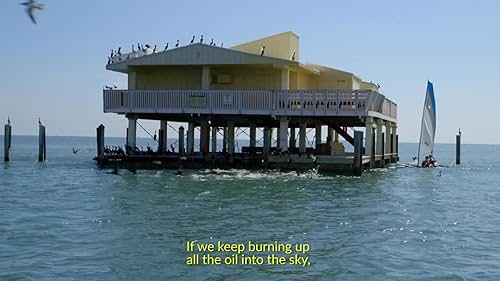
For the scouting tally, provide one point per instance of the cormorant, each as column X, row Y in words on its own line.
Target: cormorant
column 177, row 44
column 166, row 47
column 192, row 40
column 262, row 50
column 201, row 39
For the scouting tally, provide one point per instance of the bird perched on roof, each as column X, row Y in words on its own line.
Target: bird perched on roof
column 262, row 50
column 119, row 52
column 293, row 56
column 154, row 49
column 177, row 44
column 39, row 121
column 212, row 42
column 8, row 120
column 31, row 6
column 459, row 132
column 201, row 39
column 147, row 46
column 166, row 47
column 192, row 40
column 108, row 87
column 109, row 60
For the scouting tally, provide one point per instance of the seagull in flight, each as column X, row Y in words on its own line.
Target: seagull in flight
column 31, row 6
column 75, row 151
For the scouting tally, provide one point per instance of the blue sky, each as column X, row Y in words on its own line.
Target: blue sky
column 56, row 69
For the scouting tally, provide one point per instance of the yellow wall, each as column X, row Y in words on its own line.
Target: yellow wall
column 246, row 78
column 162, row 79
column 281, row 46
column 369, row 86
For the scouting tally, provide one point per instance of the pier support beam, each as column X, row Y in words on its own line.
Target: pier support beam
column 181, row 141
column 230, row 137
column 267, row 143
column 358, row 153
column 42, row 144
column 318, row 136
column 458, row 144
column 293, row 141
column 162, row 137
column 394, row 142
column 132, row 133
column 204, row 137
column 253, row 135
column 7, row 142
column 302, row 138
column 190, row 138
column 224, row 139
column 369, row 143
column 379, row 142
column 388, row 139
column 283, row 134
column 214, row 141
column 100, row 143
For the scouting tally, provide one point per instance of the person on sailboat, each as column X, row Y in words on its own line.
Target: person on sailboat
column 425, row 163
column 432, row 161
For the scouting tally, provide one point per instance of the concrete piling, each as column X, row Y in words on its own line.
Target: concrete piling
column 358, row 153
column 100, row 143
column 181, row 141
column 459, row 136
column 42, row 145
column 7, row 143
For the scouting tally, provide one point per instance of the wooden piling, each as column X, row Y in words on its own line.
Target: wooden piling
column 100, row 143
column 459, row 136
column 42, row 144
column 7, row 143
column 181, row 141
column 358, row 153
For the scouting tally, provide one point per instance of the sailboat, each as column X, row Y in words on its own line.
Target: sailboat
column 428, row 127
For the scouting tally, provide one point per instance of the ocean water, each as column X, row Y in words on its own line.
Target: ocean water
column 68, row 220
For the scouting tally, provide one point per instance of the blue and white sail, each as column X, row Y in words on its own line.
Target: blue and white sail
column 428, row 128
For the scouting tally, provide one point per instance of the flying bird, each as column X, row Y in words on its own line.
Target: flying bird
column 75, row 151
column 147, row 46
column 192, row 40
column 31, row 6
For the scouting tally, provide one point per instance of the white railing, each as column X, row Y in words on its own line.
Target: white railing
column 253, row 102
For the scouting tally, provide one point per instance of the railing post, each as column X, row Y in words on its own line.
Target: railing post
column 271, row 94
column 337, row 101
column 301, row 102
column 357, row 101
column 325, row 92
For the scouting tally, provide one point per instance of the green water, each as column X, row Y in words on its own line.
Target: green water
column 67, row 220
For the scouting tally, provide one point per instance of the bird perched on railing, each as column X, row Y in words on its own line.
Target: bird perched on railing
column 31, row 6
